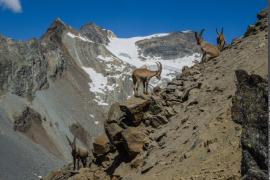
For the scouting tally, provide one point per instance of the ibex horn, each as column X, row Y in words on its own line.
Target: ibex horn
column 68, row 139
column 217, row 31
column 202, row 32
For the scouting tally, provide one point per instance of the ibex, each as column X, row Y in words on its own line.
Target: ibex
column 209, row 51
column 143, row 75
column 220, row 39
column 78, row 153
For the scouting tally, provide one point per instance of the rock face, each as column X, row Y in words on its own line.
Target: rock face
column 14, row 76
column 101, row 145
column 260, row 25
column 250, row 109
column 96, row 33
column 173, row 46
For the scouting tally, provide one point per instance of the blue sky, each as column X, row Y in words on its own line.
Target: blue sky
column 25, row 19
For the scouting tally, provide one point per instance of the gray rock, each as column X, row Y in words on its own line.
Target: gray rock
column 96, row 33
column 174, row 45
column 250, row 109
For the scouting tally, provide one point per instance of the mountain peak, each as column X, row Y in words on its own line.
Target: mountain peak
column 96, row 33
column 56, row 29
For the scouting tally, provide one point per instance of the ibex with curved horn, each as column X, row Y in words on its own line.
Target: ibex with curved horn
column 221, row 42
column 209, row 51
column 143, row 75
column 78, row 153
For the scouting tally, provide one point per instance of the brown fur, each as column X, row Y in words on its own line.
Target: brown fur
column 143, row 75
column 221, row 42
column 209, row 51
column 78, row 154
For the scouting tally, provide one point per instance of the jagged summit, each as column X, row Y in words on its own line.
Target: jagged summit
column 55, row 31
column 96, row 33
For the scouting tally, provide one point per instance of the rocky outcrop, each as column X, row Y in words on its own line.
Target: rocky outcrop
column 24, row 122
column 27, row 61
column 122, row 124
column 260, row 25
column 250, row 109
column 101, row 145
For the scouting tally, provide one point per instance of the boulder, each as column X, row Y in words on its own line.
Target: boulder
column 115, row 115
column 156, row 106
column 113, row 132
column 101, row 145
column 135, row 109
column 250, row 109
column 133, row 140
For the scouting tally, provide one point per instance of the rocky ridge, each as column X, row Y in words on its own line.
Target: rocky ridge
column 190, row 129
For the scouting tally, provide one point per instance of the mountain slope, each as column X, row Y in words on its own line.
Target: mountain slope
column 186, row 131
column 63, row 84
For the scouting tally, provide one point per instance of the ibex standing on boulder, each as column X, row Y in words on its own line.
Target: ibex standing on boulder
column 220, row 39
column 78, row 153
column 143, row 75
column 209, row 51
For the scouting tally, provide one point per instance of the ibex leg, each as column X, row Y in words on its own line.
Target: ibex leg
column 74, row 163
column 137, row 88
column 146, row 87
column 78, row 164
column 84, row 162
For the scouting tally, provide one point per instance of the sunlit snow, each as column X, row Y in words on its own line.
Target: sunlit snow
column 80, row 37
column 126, row 50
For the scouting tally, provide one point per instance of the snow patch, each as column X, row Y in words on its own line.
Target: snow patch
column 79, row 37
column 187, row 31
column 98, row 80
column 106, row 59
column 91, row 115
column 98, row 85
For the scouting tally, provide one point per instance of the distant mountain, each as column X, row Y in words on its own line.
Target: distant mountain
column 63, row 83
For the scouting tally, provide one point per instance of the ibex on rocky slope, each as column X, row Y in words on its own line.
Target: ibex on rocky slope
column 143, row 75
column 221, row 42
column 78, row 153
column 209, row 51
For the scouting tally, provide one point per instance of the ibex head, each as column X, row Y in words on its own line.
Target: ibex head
column 199, row 37
column 158, row 76
column 220, row 39
column 219, row 33
column 72, row 144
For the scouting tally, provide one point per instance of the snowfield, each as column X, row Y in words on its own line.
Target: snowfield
column 98, row 84
column 126, row 52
